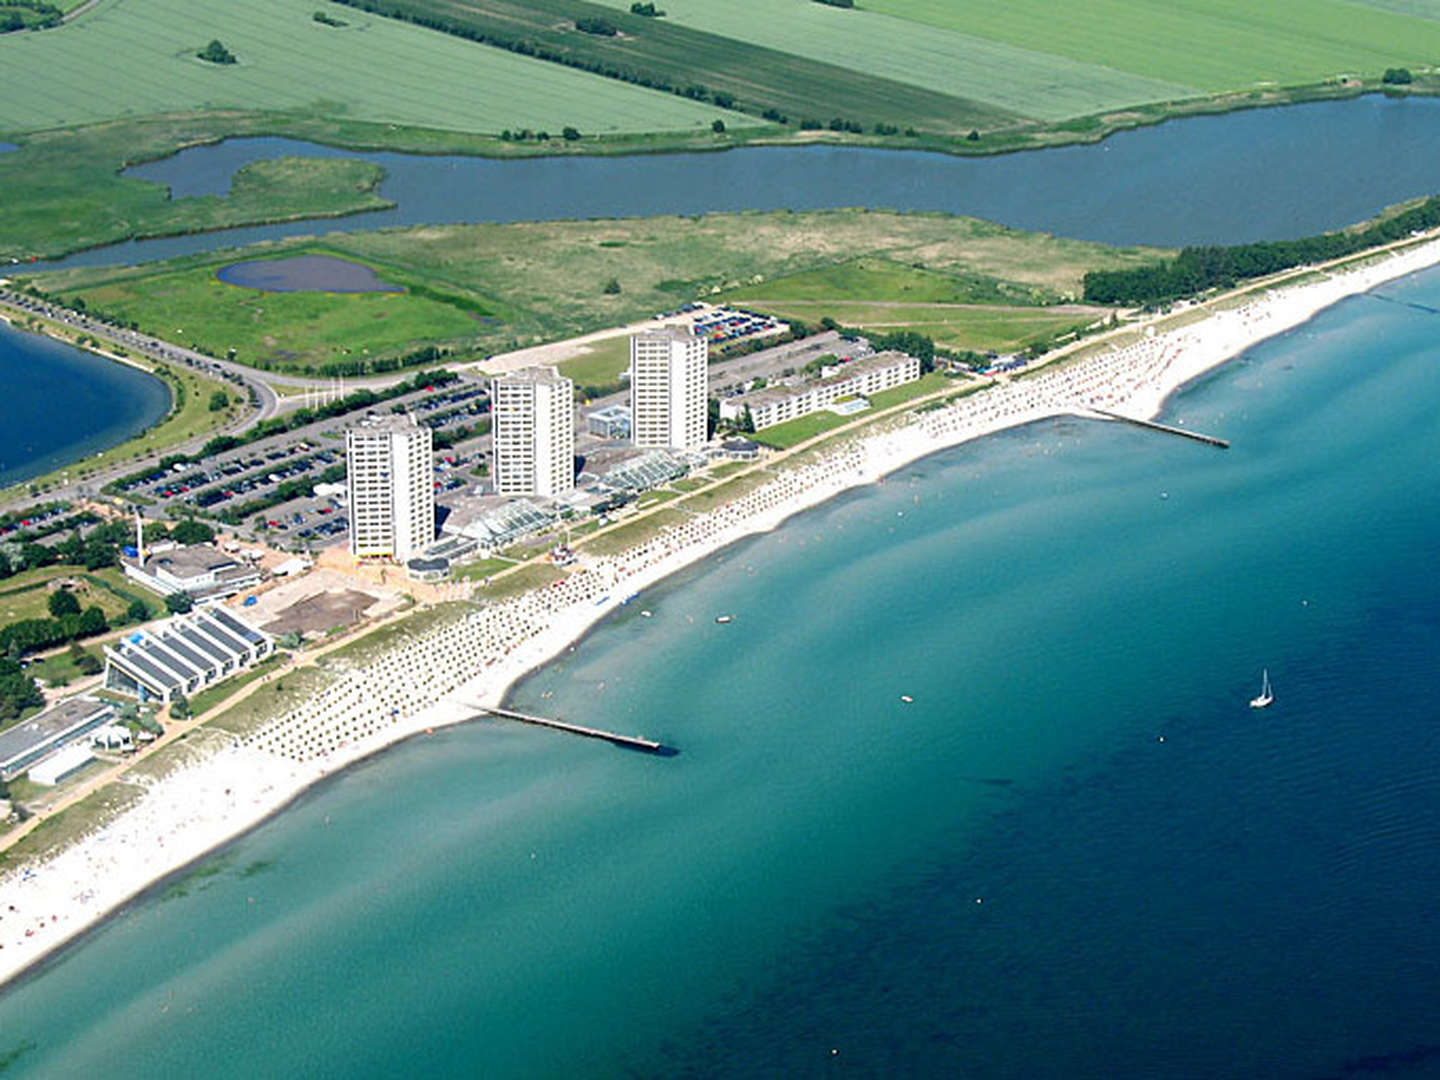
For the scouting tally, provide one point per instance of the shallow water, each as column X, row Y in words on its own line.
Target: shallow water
column 1251, row 175
column 1077, row 853
column 304, row 273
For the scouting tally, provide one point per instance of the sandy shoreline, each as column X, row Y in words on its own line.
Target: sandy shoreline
column 439, row 677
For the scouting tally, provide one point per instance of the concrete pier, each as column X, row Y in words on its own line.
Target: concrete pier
column 1198, row 436
column 633, row 742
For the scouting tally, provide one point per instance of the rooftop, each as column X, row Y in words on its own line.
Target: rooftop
column 876, row 362
column 386, row 423
column 547, row 376
column 188, row 562
column 27, row 736
column 669, row 333
column 612, row 412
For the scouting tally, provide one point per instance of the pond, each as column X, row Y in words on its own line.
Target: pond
column 305, row 273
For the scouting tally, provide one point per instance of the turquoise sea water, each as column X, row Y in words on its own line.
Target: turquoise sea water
column 62, row 404
column 796, row 892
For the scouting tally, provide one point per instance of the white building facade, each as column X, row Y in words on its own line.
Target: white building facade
column 534, row 432
column 390, row 472
column 859, row 378
column 668, row 388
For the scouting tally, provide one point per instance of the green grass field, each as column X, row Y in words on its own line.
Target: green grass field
column 291, row 331
column 1040, row 85
column 132, row 58
column 1215, row 45
column 961, row 310
column 601, row 363
column 782, row 74
column 545, row 281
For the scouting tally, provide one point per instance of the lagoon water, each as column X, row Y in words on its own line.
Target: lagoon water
column 1076, row 854
column 1250, row 175
column 62, row 404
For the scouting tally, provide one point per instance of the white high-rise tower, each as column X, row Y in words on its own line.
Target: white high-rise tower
column 668, row 389
column 391, row 477
column 534, row 432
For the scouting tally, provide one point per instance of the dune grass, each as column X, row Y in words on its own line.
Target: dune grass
column 545, row 281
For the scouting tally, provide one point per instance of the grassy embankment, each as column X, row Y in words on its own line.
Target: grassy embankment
column 292, row 331
column 968, row 283
column 189, row 418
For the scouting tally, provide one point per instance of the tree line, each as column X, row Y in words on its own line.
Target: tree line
column 1197, row 269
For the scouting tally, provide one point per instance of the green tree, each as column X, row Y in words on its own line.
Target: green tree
column 63, row 602
column 191, row 531
column 180, row 707
column 137, row 611
column 92, row 622
column 612, row 287
column 718, row 127
column 219, row 401
column 1397, row 77
column 178, row 603
column 570, row 134
column 216, row 53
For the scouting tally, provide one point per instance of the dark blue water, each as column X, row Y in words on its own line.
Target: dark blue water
column 1076, row 854
column 6, row 147
column 304, row 273
column 1260, row 174
column 62, row 404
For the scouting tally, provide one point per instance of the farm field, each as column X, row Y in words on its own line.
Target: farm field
column 370, row 69
column 1035, row 84
column 779, row 74
column 1216, row 45
column 545, row 281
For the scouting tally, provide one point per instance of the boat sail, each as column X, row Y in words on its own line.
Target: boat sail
column 1267, row 695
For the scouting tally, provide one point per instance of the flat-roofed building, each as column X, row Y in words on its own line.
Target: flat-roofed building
column 611, row 422
column 390, row 473
column 533, row 432
column 184, row 655
column 202, row 571
column 30, row 742
column 668, row 389
column 777, row 404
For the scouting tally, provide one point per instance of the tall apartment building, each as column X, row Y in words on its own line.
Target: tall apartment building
column 391, row 477
column 668, row 389
column 534, row 432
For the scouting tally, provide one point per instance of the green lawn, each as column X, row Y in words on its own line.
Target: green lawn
column 545, row 280
column 601, row 363
column 1216, row 45
column 946, row 60
column 26, row 594
column 371, row 69
column 296, row 331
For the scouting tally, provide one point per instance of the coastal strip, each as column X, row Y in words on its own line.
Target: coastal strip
column 438, row 676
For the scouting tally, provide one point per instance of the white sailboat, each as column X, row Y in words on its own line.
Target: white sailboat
column 1267, row 695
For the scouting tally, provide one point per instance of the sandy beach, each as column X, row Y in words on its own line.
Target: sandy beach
column 440, row 676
